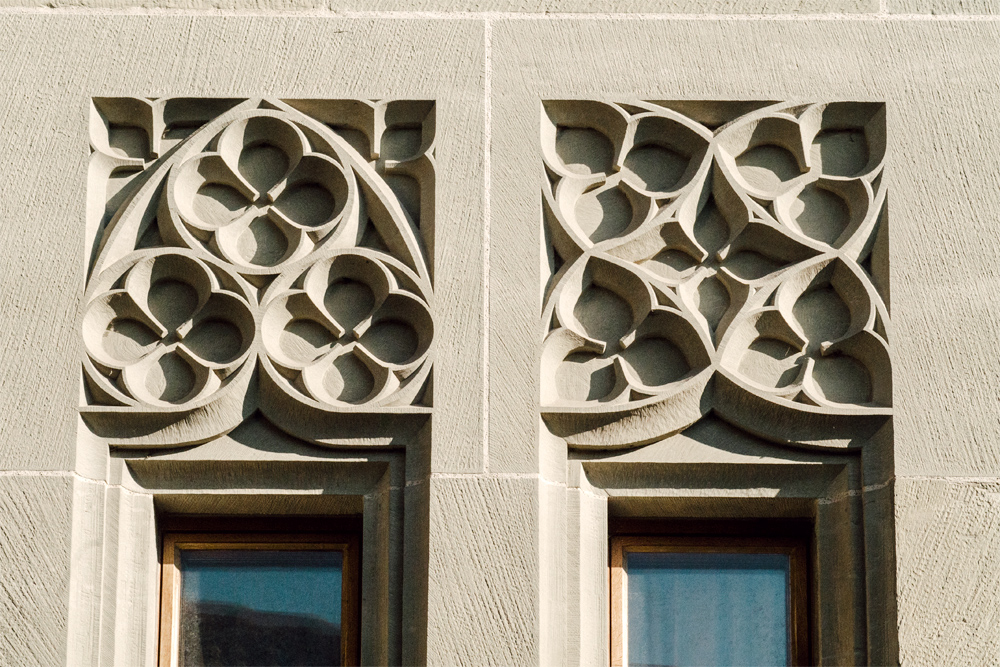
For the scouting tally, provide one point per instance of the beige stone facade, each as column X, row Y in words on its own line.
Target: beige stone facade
column 668, row 259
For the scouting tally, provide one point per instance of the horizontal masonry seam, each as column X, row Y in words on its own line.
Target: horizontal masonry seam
column 881, row 15
column 853, row 493
column 954, row 479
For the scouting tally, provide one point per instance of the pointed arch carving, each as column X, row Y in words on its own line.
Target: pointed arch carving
column 258, row 255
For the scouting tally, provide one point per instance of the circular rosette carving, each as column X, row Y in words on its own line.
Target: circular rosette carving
column 624, row 364
column 258, row 197
column 168, row 333
column 808, row 361
column 352, row 332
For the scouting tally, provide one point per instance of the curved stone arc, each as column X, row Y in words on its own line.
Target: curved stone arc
column 313, row 377
column 607, row 118
column 749, row 220
column 566, row 238
column 634, row 423
column 232, row 377
column 400, row 272
column 873, row 352
column 854, row 193
column 821, row 422
column 794, row 424
column 569, row 191
column 737, row 289
column 390, row 302
column 670, row 130
column 101, row 387
column 666, row 323
column 334, row 426
column 101, row 312
column 363, row 116
column 134, row 217
column 672, row 225
column 670, row 407
column 402, row 239
column 787, row 287
column 859, row 242
column 166, row 427
column 756, row 130
column 558, row 345
column 757, row 214
column 105, row 281
column 580, row 275
column 837, row 116
column 134, row 377
column 850, row 283
column 656, row 287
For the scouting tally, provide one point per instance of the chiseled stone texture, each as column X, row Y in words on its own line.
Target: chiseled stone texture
column 948, row 552
column 624, row 6
column 35, row 530
column 943, row 243
column 490, row 546
column 483, row 584
column 64, row 60
column 516, row 6
column 942, row 6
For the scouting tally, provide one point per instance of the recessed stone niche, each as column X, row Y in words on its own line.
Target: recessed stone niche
column 258, row 256
column 724, row 257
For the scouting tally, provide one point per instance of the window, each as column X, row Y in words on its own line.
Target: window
column 259, row 599
column 683, row 600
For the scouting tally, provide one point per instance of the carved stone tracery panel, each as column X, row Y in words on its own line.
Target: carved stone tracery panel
column 714, row 257
column 258, row 255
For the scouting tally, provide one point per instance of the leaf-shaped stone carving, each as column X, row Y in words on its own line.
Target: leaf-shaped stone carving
column 748, row 245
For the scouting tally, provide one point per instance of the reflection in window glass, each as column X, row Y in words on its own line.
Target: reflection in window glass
column 707, row 609
column 257, row 607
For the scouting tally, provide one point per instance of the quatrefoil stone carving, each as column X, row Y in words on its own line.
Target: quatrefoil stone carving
column 714, row 256
column 258, row 255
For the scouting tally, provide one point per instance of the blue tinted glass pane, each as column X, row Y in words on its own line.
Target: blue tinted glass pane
column 687, row 609
column 248, row 607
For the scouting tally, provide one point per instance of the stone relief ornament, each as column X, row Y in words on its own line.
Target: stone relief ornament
column 258, row 255
column 714, row 257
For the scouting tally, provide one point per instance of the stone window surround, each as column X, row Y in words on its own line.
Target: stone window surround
column 232, row 478
column 847, row 496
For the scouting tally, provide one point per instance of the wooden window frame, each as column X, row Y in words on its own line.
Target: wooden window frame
column 795, row 548
column 347, row 543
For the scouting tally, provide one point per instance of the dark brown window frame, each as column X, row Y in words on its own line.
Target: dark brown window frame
column 188, row 537
column 713, row 537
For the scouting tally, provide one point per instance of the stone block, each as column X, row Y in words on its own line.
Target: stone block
column 35, row 551
column 483, row 582
column 948, row 541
